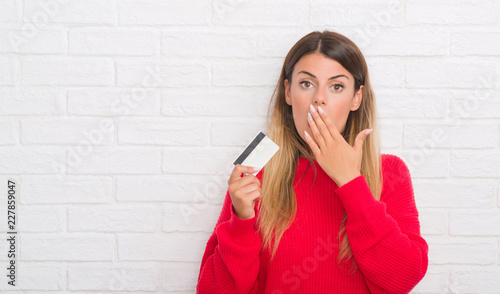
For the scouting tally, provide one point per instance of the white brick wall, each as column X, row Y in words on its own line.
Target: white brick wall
column 120, row 119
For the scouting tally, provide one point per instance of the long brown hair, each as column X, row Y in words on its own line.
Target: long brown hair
column 278, row 206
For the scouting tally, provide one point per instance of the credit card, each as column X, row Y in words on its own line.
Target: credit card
column 258, row 152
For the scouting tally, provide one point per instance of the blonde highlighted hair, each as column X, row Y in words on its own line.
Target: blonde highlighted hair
column 278, row 206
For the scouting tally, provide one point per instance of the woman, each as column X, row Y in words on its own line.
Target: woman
column 328, row 213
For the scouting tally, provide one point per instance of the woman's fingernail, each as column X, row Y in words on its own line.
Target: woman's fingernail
column 368, row 131
column 312, row 108
column 307, row 135
column 309, row 116
column 320, row 110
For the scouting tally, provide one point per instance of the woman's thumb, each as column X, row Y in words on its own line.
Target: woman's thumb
column 360, row 139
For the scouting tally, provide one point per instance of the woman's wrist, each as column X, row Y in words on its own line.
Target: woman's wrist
column 346, row 179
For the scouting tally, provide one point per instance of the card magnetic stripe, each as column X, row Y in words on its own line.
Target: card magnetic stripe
column 250, row 148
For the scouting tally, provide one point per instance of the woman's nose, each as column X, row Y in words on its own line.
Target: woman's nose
column 319, row 98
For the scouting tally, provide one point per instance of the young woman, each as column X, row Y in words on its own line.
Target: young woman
column 328, row 213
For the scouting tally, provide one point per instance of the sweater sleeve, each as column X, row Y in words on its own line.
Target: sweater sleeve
column 385, row 235
column 231, row 260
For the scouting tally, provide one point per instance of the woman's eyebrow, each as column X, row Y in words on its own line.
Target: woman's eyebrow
column 334, row 77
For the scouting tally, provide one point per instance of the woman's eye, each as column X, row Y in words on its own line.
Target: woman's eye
column 338, row 87
column 306, row 84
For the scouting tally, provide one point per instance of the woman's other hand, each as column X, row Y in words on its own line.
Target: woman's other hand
column 244, row 191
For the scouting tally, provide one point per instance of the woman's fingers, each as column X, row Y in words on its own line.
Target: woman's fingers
column 314, row 147
column 334, row 132
column 321, row 127
column 238, row 170
column 316, row 133
column 244, row 191
column 248, row 186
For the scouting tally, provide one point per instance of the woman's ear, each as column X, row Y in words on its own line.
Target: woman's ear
column 356, row 100
column 288, row 97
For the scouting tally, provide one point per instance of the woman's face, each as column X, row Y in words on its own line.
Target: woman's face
column 318, row 80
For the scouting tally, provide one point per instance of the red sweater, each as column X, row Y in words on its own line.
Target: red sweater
column 384, row 237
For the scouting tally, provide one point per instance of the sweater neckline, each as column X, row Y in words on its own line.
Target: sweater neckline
column 302, row 164
column 303, row 159
column 304, row 169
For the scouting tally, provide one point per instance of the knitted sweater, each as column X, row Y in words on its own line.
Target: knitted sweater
column 390, row 254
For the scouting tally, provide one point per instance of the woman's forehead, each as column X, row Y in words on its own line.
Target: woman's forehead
column 320, row 67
